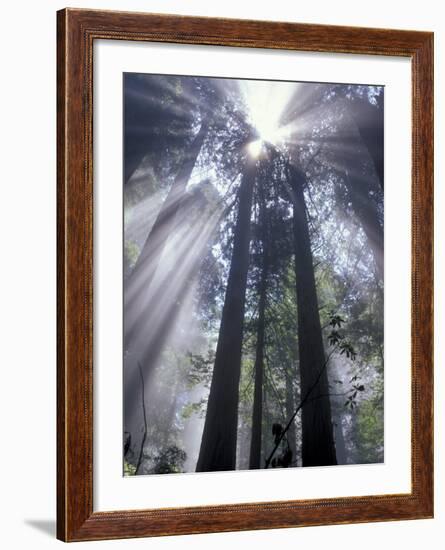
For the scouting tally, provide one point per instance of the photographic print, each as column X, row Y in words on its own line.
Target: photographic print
column 253, row 274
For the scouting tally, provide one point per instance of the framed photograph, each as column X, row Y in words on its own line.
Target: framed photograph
column 245, row 229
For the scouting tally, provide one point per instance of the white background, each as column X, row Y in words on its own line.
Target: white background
column 28, row 272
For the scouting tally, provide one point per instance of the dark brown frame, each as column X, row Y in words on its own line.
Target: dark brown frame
column 76, row 32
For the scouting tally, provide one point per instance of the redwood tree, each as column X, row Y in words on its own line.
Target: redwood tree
column 218, row 443
column 257, row 413
column 318, row 448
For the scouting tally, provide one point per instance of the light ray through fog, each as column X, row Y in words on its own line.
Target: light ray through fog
column 182, row 255
column 166, row 298
column 174, row 297
column 265, row 103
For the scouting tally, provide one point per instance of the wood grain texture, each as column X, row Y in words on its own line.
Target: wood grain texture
column 76, row 32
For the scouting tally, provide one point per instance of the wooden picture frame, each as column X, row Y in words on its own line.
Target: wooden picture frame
column 76, row 32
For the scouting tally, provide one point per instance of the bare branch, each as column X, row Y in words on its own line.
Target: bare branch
column 144, row 437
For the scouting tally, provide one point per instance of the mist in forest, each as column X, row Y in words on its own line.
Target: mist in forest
column 253, row 274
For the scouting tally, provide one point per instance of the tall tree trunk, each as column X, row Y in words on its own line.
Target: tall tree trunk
column 257, row 414
column 268, row 421
column 318, row 440
column 243, row 446
column 340, row 446
column 141, row 277
column 290, row 409
column 218, row 443
column 366, row 211
column 369, row 121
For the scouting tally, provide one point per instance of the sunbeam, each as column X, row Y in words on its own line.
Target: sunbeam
column 265, row 103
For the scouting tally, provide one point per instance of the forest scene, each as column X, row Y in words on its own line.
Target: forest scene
column 253, row 274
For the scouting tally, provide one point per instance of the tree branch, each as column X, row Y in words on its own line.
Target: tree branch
column 300, row 406
column 144, row 437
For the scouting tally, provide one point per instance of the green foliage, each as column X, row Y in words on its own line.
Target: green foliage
column 347, row 349
column 169, row 461
column 131, row 254
column 178, row 89
column 129, row 469
column 140, row 188
column 336, row 320
column 283, row 458
column 337, row 339
column 201, row 368
column 369, row 431
column 194, row 408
